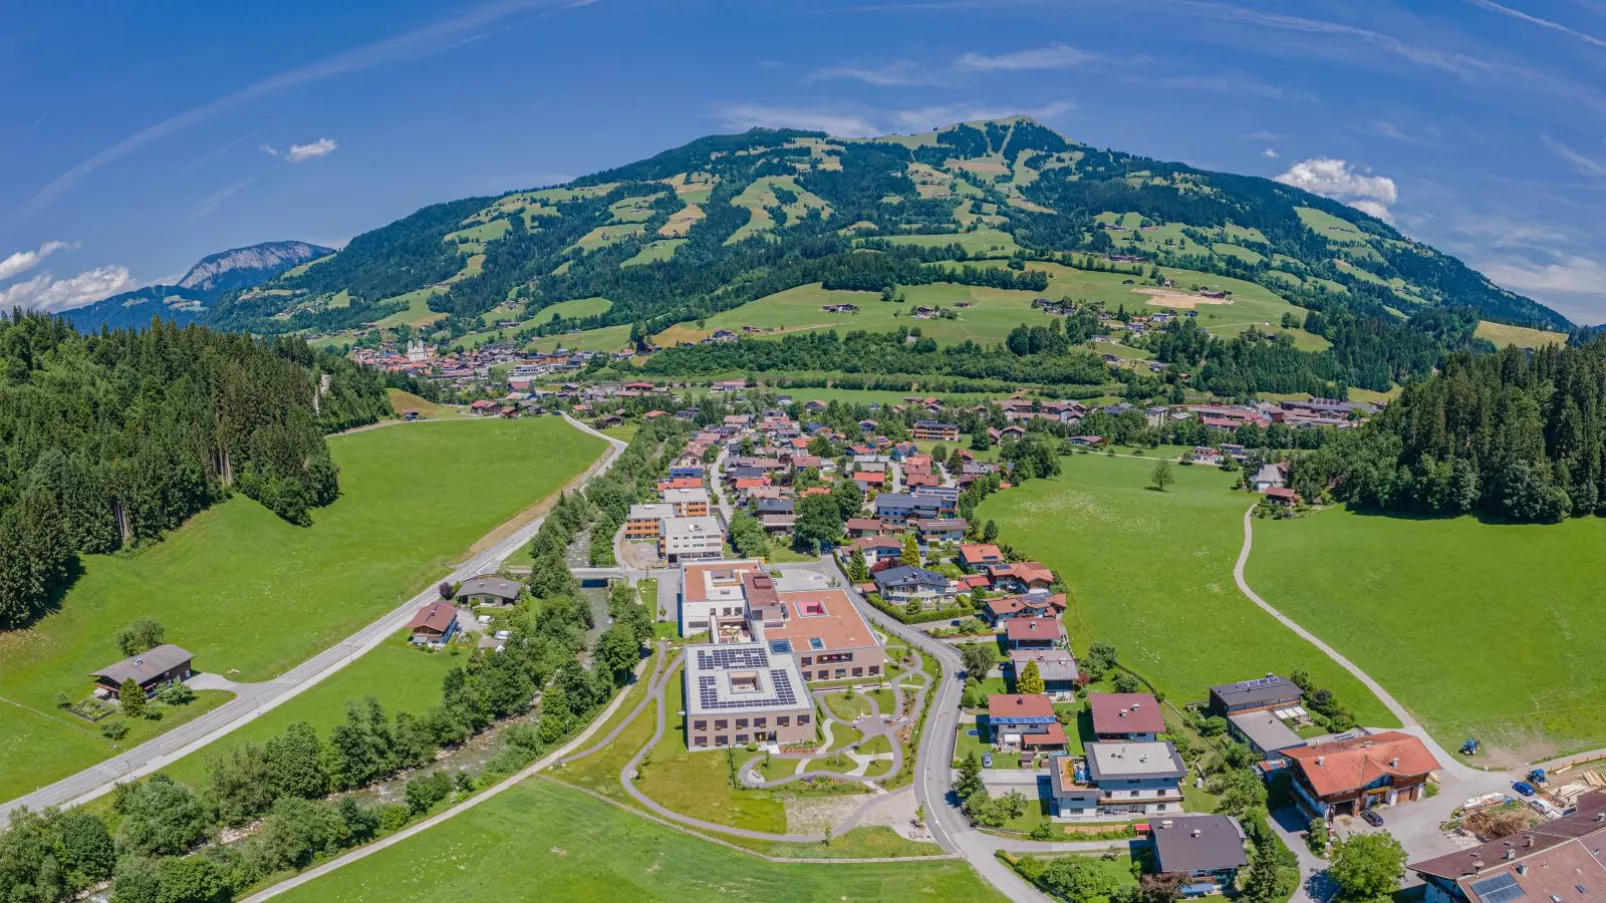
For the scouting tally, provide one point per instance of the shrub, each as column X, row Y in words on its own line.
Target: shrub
column 114, row 730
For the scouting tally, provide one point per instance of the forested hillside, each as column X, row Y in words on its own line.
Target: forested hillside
column 724, row 220
column 112, row 439
column 1511, row 435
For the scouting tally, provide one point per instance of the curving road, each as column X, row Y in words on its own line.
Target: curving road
column 252, row 700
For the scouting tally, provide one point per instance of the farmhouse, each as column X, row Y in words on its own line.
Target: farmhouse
column 489, row 590
column 1206, row 850
column 1347, row 776
column 744, row 693
column 1555, row 860
column 434, row 625
column 152, row 669
column 1126, row 716
column 1270, row 476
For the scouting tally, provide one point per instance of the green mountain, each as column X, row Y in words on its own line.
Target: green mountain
column 730, row 219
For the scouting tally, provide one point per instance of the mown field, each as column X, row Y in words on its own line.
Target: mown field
column 1521, row 336
column 1151, row 572
column 251, row 595
column 572, row 847
column 1483, row 630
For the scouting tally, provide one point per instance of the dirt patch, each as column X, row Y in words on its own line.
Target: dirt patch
column 1163, row 297
column 813, row 814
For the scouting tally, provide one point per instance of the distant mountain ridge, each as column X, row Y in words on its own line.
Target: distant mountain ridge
column 205, row 282
column 718, row 222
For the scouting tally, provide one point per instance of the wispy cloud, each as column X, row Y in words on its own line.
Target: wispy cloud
column 1054, row 56
column 300, row 153
column 948, row 114
column 895, row 73
column 1584, row 163
column 23, row 261
column 214, row 200
column 1263, row 136
column 1493, row 7
column 1577, row 275
column 1229, row 83
column 45, row 292
column 1337, row 179
column 861, row 122
column 416, row 43
column 1269, row 153
column 743, row 116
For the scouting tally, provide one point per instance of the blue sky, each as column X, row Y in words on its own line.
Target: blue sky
column 137, row 138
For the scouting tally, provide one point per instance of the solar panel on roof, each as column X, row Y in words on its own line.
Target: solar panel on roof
column 1499, row 889
column 781, row 647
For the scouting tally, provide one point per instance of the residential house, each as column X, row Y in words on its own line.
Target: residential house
column 1263, row 693
column 901, row 584
column 1019, row 577
column 939, row 530
column 878, row 548
column 1132, row 717
column 1206, row 850
column 687, row 502
column 1117, row 780
column 1270, row 476
column 1347, row 776
column 488, row 589
column 1282, row 497
column 1556, row 860
column 1056, row 666
column 152, row 669
column 857, row 527
column 1269, row 737
column 1034, row 633
column 896, row 509
column 1036, row 604
column 1024, row 722
column 933, row 430
column 935, row 501
column 977, row 556
column 434, row 625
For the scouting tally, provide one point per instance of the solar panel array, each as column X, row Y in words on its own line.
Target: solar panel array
column 781, row 647
column 784, row 695
column 727, row 659
column 783, row 687
column 1499, row 889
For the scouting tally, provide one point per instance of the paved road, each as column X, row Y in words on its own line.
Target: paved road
column 256, row 698
column 726, row 509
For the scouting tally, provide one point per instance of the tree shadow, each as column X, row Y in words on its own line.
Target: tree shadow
column 55, row 595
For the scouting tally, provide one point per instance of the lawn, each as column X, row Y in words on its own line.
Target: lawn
column 572, row 847
column 1521, row 336
column 251, row 595
column 991, row 242
column 402, row 400
column 1483, row 630
column 607, row 338
column 579, row 307
column 401, row 677
column 1151, row 572
column 652, row 252
column 416, row 313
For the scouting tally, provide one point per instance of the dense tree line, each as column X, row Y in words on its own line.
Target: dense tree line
column 1513, row 435
column 115, row 438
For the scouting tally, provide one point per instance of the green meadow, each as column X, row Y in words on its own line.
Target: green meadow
column 576, row 848
column 251, row 595
column 1493, row 631
column 1151, row 572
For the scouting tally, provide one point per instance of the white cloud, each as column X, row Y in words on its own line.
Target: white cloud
column 1585, row 164
column 23, row 261
column 269, row 149
column 743, row 116
column 1269, row 153
column 300, row 153
column 1574, row 274
column 1336, row 179
column 1263, row 135
column 1542, row 23
column 45, row 292
column 1389, row 130
column 1054, row 56
column 895, row 73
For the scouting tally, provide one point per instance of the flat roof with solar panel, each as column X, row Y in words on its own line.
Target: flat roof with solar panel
column 744, row 678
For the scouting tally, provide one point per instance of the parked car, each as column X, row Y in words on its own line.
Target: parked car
column 986, row 760
column 1524, row 788
column 1371, row 817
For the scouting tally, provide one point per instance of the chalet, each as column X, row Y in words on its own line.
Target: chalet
column 1057, row 668
column 1270, row 476
column 1348, row 776
column 434, row 625
column 1041, row 604
column 1019, row 577
column 1034, row 633
column 857, row 527
column 868, row 480
column 840, row 308
column 1203, row 454
column 1282, row 497
column 1205, row 850
column 938, row 530
column 878, row 548
column 1085, row 441
column 152, row 669
column 896, row 509
column 976, row 556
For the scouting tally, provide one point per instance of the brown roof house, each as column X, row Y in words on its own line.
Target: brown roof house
column 434, row 625
column 1126, row 716
column 1348, row 776
column 1206, row 850
column 152, row 669
column 1555, row 860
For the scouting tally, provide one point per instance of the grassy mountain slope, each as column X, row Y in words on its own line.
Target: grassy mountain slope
column 729, row 219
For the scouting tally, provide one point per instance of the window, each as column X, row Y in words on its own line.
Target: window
column 784, row 721
column 700, row 725
column 858, row 672
column 875, row 669
column 807, row 660
column 721, row 740
column 808, row 675
column 720, row 724
column 802, row 719
column 841, row 672
column 742, row 722
column 1133, row 793
column 761, row 722
column 741, row 738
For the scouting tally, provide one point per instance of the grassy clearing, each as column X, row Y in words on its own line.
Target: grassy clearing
column 1335, row 230
column 1521, row 336
column 1445, row 613
column 573, row 310
column 406, row 401
column 655, row 251
column 577, row 848
column 1151, row 572
column 759, row 197
column 399, row 676
column 991, row 242
column 416, row 313
column 603, row 236
column 607, row 338
column 250, row 595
